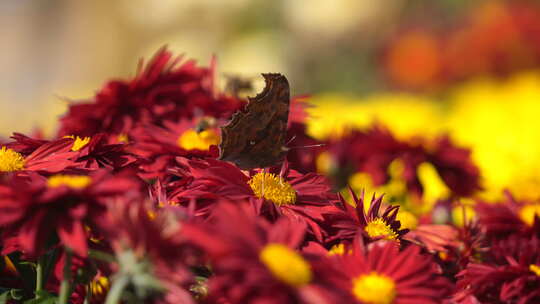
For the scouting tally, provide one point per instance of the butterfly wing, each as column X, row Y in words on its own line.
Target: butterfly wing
column 255, row 137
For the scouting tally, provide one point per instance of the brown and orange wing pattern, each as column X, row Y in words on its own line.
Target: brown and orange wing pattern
column 255, row 137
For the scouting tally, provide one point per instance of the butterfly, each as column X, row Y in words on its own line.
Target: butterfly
column 255, row 136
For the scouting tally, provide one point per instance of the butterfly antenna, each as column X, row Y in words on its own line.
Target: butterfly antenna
column 290, row 140
column 296, row 147
column 308, row 146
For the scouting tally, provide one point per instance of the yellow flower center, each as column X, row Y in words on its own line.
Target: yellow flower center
column 272, row 188
column 99, row 287
column 338, row 249
column 528, row 212
column 79, row 143
column 191, row 140
column 10, row 160
column 374, row 288
column 535, row 268
column 286, row 265
column 71, row 181
column 378, row 228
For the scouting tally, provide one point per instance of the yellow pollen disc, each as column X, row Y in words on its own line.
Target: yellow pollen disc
column 99, row 286
column 379, row 228
column 535, row 268
column 374, row 288
column 286, row 265
column 528, row 212
column 272, row 188
column 79, row 143
column 10, row 160
column 191, row 140
column 71, row 181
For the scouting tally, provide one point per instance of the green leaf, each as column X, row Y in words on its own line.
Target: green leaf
column 49, row 300
column 43, row 297
column 101, row 256
column 4, row 297
column 43, row 294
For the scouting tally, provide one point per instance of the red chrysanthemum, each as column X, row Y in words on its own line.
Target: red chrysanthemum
column 353, row 219
column 154, row 242
column 254, row 261
column 163, row 90
column 374, row 150
column 97, row 152
column 455, row 166
column 288, row 193
column 509, row 273
column 33, row 207
column 381, row 273
column 509, row 217
column 159, row 146
column 27, row 154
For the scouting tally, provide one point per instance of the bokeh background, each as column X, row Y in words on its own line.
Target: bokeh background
column 421, row 67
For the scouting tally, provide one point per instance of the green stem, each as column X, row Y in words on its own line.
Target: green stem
column 88, row 294
column 65, row 287
column 101, row 256
column 115, row 293
column 39, row 276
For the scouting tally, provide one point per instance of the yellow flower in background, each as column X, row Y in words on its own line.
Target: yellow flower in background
column 405, row 115
column 396, row 191
column 463, row 213
column 499, row 122
column 395, row 188
column 331, row 115
column 434, row 187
